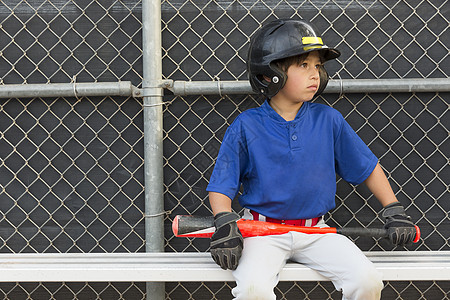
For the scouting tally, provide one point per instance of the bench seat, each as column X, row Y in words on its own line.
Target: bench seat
column 188, row 266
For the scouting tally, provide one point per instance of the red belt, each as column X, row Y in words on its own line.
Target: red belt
column 299, row 222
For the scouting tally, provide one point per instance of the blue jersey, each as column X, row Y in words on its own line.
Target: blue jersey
column 288, row 169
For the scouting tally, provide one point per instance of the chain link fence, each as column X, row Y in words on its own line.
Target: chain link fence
column 71, row 170
column 62, row 41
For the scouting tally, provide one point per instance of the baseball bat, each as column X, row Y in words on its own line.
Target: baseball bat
column 203, row 227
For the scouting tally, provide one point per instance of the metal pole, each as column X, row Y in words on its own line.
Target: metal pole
column 336, row 86
column 153, row 135
column 122, row 88
column 183, row 88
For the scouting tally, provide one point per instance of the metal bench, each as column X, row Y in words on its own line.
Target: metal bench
column 174, row 267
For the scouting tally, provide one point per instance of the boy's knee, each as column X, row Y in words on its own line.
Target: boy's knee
column 253, row 291
column 365, row 284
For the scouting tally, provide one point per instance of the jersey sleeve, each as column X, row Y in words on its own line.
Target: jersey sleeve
column 230, row 164
column 353, row 158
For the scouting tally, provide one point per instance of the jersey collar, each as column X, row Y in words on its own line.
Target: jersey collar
column 274, row 115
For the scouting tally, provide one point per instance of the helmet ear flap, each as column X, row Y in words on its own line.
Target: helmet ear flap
column 276, row 83
column 323, row 76
column 272, row 85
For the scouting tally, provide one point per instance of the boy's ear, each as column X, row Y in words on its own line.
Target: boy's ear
column 267, row 79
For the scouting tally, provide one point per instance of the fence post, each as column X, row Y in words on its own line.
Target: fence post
column 153, row 135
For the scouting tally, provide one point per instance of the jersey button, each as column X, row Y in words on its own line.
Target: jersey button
column 294, row 137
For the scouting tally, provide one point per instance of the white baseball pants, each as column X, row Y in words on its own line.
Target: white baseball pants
column 332, row 255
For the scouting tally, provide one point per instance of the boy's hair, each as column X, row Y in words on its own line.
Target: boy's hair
column 284, row 63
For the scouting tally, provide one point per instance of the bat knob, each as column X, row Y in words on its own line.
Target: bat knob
column 417, row 234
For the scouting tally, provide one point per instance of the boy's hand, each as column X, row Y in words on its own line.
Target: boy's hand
column 401, row 230
column 227, row 241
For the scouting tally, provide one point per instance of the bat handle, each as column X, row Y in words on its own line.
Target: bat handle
column 372, row 232
column 369, row 232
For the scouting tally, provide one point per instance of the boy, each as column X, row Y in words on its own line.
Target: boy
column 286, row 154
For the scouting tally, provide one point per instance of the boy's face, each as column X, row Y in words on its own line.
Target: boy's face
column 303, row 80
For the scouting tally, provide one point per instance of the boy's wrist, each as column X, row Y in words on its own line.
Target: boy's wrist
column 391, row 203
column 224, row 218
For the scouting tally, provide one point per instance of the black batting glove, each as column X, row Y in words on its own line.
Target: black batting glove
column 401, row 231
column 227, row 241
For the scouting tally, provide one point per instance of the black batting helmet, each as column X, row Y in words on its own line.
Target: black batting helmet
column 280, row 39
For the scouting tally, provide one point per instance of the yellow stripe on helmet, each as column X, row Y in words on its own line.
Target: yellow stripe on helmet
column 311, row 47
column 307, row 40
